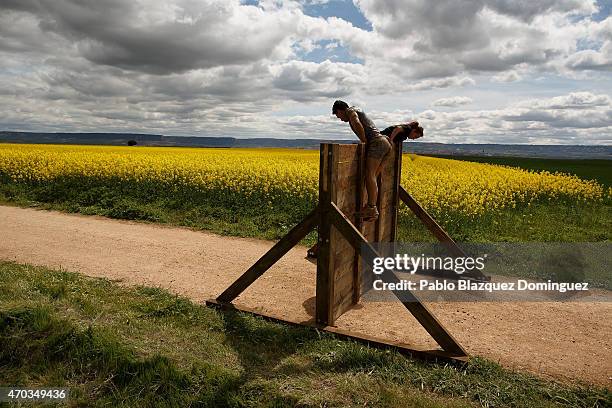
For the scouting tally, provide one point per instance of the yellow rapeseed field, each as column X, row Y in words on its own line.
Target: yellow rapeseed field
column 274, row 175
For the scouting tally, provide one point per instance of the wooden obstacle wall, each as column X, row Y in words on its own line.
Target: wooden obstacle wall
column 340, row 282
column 341, row 236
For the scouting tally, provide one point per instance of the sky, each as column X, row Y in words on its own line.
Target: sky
column 470, row 71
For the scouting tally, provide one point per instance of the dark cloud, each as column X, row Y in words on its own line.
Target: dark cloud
column 162, row 37
column 457, row 22
column 527, row 10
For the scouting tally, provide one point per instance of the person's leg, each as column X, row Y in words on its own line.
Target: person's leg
column 377, row 151
column 372, row 166
column 385, row 156
column 383, row 162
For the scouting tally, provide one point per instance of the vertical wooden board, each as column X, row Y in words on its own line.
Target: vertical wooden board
column 341, row 247
column 387, row 171
column 369, row 231
column 324, row 282
column 343, row 306
column 386, row 226
column 324, row 182
column 347, row 202
column 345, row 178
column 344, row 287
column 343, row 267
column 386, row 199
column 342, row 250
column 382, row 227
column 357, row 276
column 367, row 278
column 397, row 175
column 347, row 168
column 346, row 152
column 346, row 280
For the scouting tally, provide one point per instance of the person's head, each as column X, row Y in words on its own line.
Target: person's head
column 339, row 109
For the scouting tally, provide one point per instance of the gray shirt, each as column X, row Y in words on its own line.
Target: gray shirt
column 369, row 127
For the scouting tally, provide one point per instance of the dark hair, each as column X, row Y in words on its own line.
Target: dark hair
column 339, row 105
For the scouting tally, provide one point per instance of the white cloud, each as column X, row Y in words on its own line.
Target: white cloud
column 509, row 76
column 599, row 59
column 452, row 101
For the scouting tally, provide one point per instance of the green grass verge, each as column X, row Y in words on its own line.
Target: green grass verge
column 140, row 347
column 559, row 221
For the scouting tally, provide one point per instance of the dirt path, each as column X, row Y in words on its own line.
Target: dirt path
column 567, row 341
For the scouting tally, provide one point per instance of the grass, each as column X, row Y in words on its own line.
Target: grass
column 559, row 221
column 139, row 347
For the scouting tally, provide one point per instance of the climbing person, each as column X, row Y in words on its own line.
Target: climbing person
column 404, row 131
column 377, row 148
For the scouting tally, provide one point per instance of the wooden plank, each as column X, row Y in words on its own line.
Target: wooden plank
column 345, row 181
column 386, row 186
column 369, row 231
column 344, row 266
column 385, row 227
column 344, row 305
column 412, row 303
column 342, row 269
column 342, row 246
column 397, row 175
column 380, row 216
column 387, row 206
column 344, row 288
column 343, row 297
column 429, row 222
column 346, row 152
column 386, row 201
column 343, row 279
column 387, row 237
column 323, row 307
column 337, row 243
column 368, row 340
column 347, row 169
column 438, row 232
column 283, row 246
column 347, row 198
column 387, row 170
column 368, row 280
column 357, row 277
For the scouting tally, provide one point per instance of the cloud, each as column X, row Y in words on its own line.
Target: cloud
column 327, row 79
column 558, row 120
column 220, row 67
column 555, row 119
column 453, row 101
column 165, row 37
column 448, row 38
column 598, row 58
column 572, row 101
column 509, row 76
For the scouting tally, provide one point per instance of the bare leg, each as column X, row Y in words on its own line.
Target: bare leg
column 372, row 171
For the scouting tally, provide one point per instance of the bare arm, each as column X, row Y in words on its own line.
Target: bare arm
column 357, row 127
column 395, row 132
